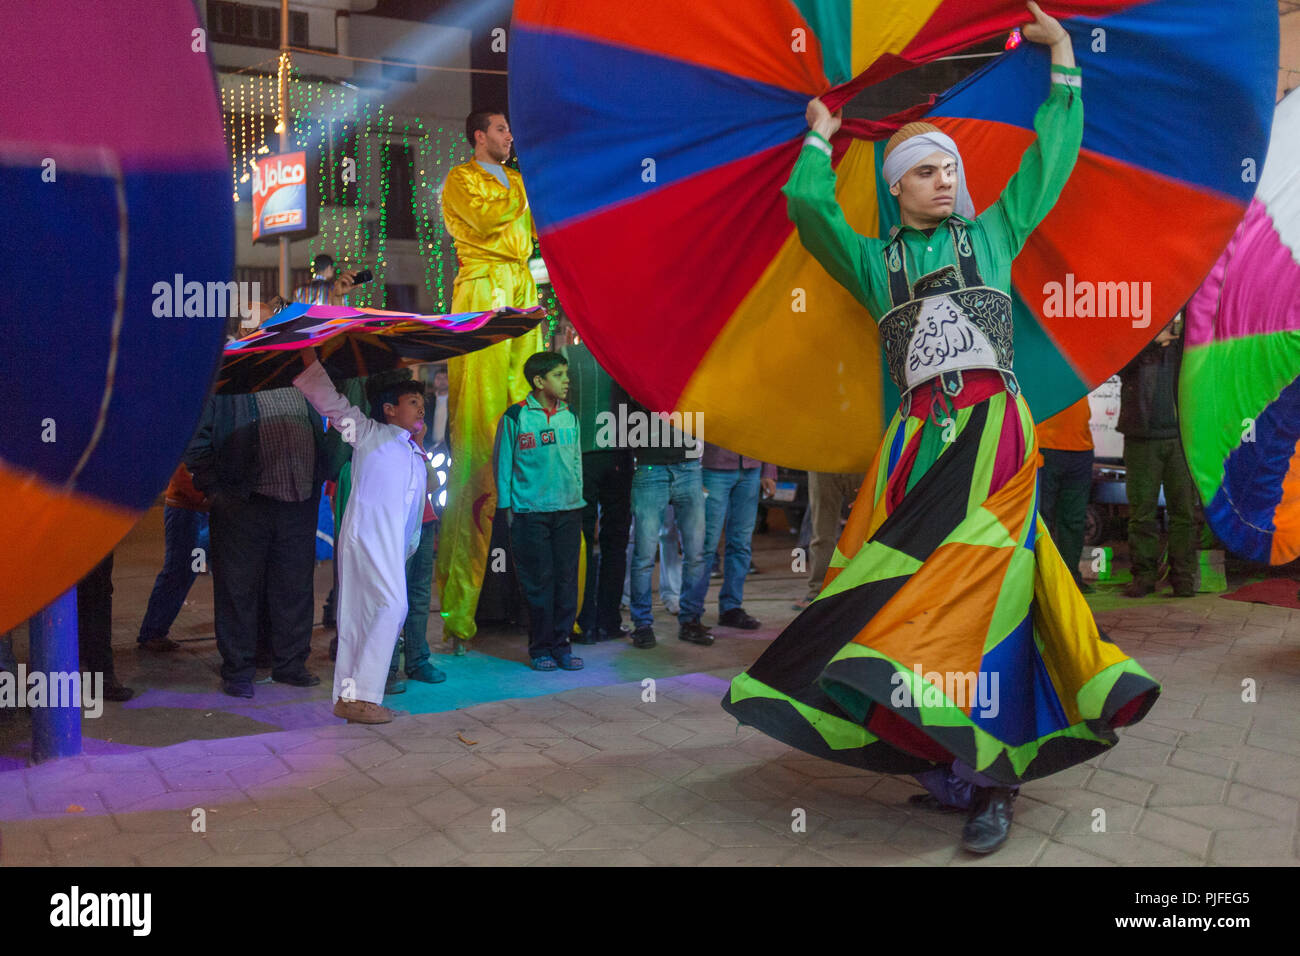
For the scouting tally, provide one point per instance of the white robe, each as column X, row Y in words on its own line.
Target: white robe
column 380, row 530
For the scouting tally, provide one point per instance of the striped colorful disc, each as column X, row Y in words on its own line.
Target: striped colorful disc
column 656, row 136
column 116, row 184
column 1239, row 387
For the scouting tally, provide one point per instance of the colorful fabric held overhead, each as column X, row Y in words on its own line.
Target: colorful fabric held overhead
column 358, row 342
column 116, row 183
column 656, row 136
column 1239, row 388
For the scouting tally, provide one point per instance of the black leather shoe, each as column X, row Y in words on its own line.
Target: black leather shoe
column 989, row 822
column 695, row 633
column 643, row 637
column 121, row 693
column 615, row 633
column 302, row 678
column 237, row 688
column 737, row 617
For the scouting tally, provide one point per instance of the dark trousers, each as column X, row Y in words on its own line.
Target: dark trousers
column 545, row 548
column 1150, row 463
column 95, row 620
column 263, row 547
column 181, row 528
column 607, row 490
column 419, row 590
column 1064, row 487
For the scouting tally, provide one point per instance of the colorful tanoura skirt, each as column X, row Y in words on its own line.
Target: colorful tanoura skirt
column 949, row 628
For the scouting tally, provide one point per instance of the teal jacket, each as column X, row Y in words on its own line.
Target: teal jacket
column 538, row 459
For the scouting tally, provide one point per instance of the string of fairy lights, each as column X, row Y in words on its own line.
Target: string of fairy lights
column 335, row 124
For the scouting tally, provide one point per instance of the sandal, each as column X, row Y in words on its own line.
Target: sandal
column 568, row 662
column 543, row 664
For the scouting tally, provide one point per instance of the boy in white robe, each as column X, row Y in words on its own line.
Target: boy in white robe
column 380, row 530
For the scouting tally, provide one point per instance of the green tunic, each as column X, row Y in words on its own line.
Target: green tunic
column 998, row 234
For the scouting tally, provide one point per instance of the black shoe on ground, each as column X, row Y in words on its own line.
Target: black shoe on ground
column 426, row 673
column 615, row 633
column 1184, row 590
column 237, row 688
column 1139, row 587
column 989, row 822
column 302, row 678
column 591, row 636
column 159, row 644
column 396, row 684
column 643, row 637
column 115, row 691
column 695, row 633
column 737, row 617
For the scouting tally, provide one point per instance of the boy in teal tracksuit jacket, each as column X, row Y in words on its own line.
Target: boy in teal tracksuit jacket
column 538, row 461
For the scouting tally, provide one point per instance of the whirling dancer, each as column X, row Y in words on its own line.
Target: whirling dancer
column 949, row 640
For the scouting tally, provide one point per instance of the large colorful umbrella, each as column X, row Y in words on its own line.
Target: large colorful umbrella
column 354, row 342
column 116, row 183
column 1239, row 389
column 656, row 136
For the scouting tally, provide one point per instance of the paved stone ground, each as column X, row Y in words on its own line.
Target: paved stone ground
column 596, row 774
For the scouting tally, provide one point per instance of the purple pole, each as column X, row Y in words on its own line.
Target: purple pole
column 56, row 731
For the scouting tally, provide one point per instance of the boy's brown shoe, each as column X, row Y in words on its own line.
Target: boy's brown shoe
column 362, row 712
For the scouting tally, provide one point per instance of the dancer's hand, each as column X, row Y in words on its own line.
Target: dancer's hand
column 820, row 119
column 1049, row 32
column 1045, row 30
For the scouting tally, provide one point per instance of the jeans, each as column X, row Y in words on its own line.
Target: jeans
column 670, row 562
column 545, row 545
column 419, row 590
column 181, row 531
column 732, row 499
column 607, row 490
column 653, row 488
column 1151, row 462
column 1064, row 487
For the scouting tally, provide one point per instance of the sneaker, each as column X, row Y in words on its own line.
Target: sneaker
column 695, row 633
column 362, row 712
column 426, row 673
column 643, row 637
column 1139, row 587
column 737, row 617
column 542, row 664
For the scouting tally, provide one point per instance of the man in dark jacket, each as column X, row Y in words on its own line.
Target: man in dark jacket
column 1153, row 455
column 261, row 459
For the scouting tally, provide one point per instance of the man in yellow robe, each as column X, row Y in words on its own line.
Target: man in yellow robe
column 486, row 211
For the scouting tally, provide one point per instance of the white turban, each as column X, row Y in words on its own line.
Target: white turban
column 913, row 150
